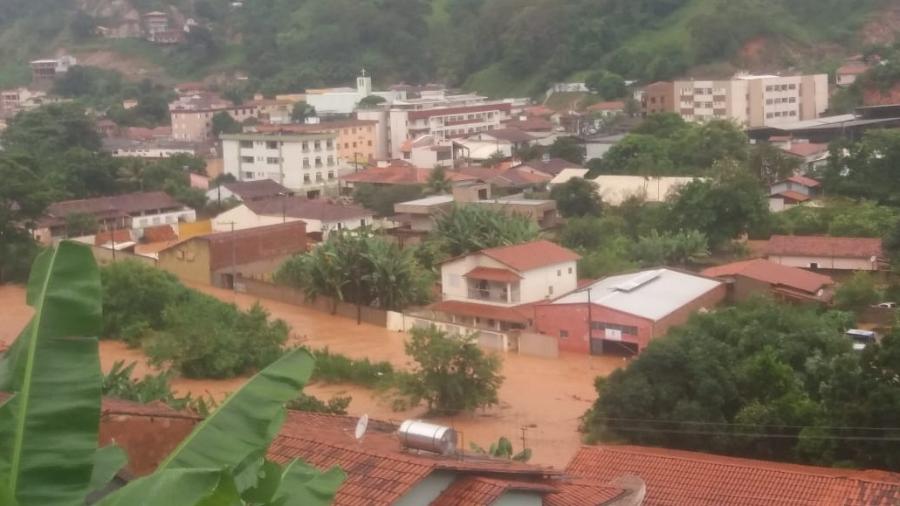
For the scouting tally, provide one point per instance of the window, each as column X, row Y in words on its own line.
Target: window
column 354, row 145
column 329, row 144
column 362, row 222
column 247, row 159
column 319, row 177
column 570, row 270
column 248, row 175
column 550, row 289
column 318, row 161
column 306, row 163
column 246, row 144
column 625, row 329
column 558, row 272
column 346, row 145
column 330, row 161
column 370, row 143
column 317, row 145
column 272, row 144
column 305, row 146
column 272, row 160
column 330, row 174
column 306, row 179
column 814, row 265
column 563, row 334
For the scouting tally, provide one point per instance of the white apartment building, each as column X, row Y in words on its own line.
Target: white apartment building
column 302, row 162
column 442, row 116
column 753, row 100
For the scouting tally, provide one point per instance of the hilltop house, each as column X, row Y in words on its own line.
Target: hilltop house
column 793, row 191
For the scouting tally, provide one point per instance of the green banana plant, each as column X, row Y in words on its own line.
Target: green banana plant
column 50, row 421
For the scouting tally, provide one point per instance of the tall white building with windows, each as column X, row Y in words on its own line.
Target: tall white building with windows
column 753, row 100
column 304, row 163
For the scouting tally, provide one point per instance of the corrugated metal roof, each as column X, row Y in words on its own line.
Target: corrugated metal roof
column 649, row 294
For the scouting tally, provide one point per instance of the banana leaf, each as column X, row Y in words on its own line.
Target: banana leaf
column 248, row 420
column 48, row 428
column 178, row 487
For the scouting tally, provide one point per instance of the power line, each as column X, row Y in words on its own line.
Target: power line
column 733, row 424
column 759, row 435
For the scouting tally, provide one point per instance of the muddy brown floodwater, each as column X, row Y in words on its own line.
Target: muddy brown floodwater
column 546, row 397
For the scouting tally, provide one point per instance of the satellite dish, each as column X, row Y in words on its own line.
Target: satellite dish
column 361, row 426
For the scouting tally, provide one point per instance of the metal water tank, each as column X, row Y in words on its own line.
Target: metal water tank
column 428, row 436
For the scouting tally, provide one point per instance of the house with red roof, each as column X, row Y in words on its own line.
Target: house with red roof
column 812, row 155
column 849, row 72
column 493, row 291
column 675, row 477
column 396, row 172
column 783, row 282
column 793, row 191
column 825, row 252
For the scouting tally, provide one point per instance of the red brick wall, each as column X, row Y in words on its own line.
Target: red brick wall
column 708, row 300
column 252, row 245
column 550, row 319
column 147, row 440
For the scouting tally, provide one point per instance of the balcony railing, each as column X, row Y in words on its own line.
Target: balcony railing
column 493, row 295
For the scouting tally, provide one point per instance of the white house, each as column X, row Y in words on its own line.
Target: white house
column 494, row 288
column 243, row 191
column 330, row 101
column 320, row 216
column 306, row 163
column 615, row 189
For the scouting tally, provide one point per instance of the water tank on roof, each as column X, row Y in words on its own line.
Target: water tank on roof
column 420, row 435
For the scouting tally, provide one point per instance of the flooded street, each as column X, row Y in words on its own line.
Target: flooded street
column 546, row 397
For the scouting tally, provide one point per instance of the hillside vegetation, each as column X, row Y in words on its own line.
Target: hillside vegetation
column 494, row 46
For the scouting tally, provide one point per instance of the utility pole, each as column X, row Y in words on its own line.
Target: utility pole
column 233, row 260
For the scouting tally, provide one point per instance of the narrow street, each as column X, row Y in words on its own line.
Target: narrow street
column 544, row 396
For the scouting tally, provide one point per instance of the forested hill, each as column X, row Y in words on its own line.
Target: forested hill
column 493, row 46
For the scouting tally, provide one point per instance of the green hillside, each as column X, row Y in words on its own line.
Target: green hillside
column 498, row 47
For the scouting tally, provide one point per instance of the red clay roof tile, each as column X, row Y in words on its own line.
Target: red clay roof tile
column 772, row 273
column 531, row 255
column 676, row 477
column 818, row 245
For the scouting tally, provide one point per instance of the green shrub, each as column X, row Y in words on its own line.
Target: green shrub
column 337, row 405
column 336, row 368
column 134, row 298
column 206, row 338
column 120, row 383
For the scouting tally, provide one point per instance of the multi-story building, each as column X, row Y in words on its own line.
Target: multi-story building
column 749, row 100
column 192, row 115
column 302, row 162
column 355, row 138
column 437, row 114
column 45, row 71
column 330, row 101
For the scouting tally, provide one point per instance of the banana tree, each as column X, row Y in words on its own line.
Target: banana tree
column 49, row 423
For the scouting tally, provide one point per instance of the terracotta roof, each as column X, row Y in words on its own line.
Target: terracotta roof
column 852, row 68
column 400, row 174
column 514, row 314
column 539, row 110
column 108, row 207
column 105, row 236
column 492, row 274
column 773, row 274
column 616, row 105
column 582, row 493
column 552, row 166
column 379, row 471
column 159, row 233
column 530, row 124
column 509, row 134
column 254, row 190
column 792, row 195
column 305, row 209
column 477, row 490
column 676, row 477
column 531, row 255
column 509, row 178
column 804, row 149
column 818, row 245
column 803, row 180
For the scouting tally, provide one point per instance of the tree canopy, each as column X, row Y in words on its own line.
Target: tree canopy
column 468, row 228
column 759, row 380
column 577, row 197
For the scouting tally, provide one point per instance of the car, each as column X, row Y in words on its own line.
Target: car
column 886, row 305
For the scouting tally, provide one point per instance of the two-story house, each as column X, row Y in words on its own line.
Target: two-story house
column 495, row 289
column 791, row 192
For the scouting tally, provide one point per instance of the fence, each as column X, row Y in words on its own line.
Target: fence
column 500, row 341
column 105, row 256
column 296, row 297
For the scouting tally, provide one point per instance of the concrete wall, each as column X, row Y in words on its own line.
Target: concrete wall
column 190, row 261
column 539, row 345
column 289, row 295
column 825, row 262
column 428, row 489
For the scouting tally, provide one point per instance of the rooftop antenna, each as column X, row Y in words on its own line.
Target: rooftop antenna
column 361, row 425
